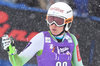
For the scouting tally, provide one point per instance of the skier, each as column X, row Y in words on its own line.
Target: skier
column 56, row 47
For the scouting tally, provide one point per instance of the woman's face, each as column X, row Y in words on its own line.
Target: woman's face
column 55, row 30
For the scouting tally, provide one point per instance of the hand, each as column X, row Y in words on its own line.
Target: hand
column 6, row 41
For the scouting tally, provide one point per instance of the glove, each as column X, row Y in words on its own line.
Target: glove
column 8, row 44
column 6, row 41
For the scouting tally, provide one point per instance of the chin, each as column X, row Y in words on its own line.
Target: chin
column 54, row 33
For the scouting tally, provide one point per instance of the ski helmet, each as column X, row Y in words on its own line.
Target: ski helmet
column 61, row 10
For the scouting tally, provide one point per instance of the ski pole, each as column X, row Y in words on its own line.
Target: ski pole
column 11, row 51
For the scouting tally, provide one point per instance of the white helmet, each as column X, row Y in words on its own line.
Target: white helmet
column 62, row 10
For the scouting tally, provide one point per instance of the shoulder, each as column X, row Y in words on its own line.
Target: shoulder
column 38, row 36
column 41, row 33
column 72, row 35
column 74, row 38
column 37, row 42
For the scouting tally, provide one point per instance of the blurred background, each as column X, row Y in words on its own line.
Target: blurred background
column 23, row 19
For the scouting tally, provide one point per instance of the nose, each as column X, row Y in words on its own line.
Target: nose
column 54, row 24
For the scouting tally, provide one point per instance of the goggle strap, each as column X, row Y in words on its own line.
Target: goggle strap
column 68, row 20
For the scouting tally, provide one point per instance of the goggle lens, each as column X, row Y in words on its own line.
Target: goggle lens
column 59, row 21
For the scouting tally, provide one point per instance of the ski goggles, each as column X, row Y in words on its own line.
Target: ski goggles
column 57, row 20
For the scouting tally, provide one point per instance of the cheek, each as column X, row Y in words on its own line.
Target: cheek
column 60, row 28
column 50, row 27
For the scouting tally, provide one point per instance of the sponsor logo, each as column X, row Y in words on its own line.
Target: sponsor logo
column 64, row 49
column 51, row 46
column 28, row 44
column 68, row 39
column 78, row 53
column 69, row 11
column 60, row 50
column 47, row 40
column 19, row 35
column 57, row 9
column 3, row 17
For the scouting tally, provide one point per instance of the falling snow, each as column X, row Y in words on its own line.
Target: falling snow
column 88, row 30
